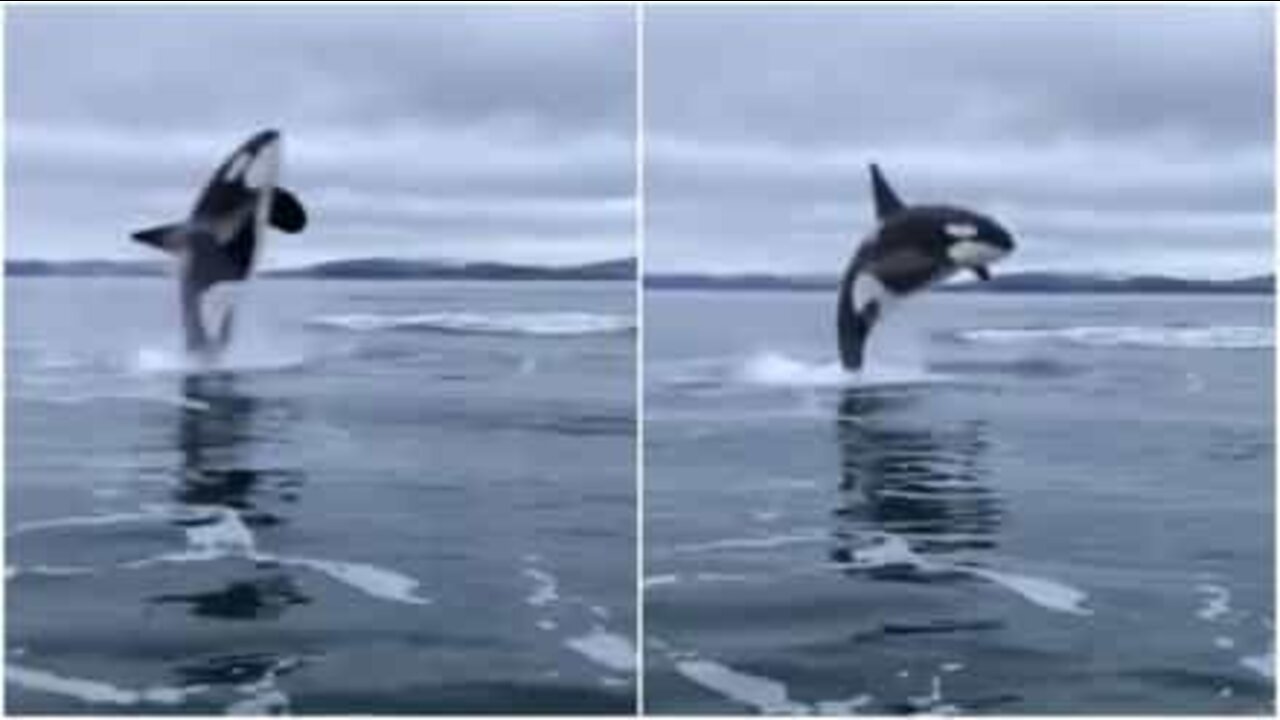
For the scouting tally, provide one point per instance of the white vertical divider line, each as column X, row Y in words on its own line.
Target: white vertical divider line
column 640, row 346
column 4, row 247
column 1275, row 263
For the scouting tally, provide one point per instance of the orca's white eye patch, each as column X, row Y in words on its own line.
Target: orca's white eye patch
column 237, row 166
column 961, row 230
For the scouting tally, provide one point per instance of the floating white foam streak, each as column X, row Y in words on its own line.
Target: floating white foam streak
column 1208, row 337
column 550, row 324
column 96, row 691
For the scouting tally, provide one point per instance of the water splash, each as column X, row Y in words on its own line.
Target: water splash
column 240, row 357
column 781, row 370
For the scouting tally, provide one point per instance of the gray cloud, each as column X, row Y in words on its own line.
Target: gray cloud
column 1134, row 139
column 482, row 132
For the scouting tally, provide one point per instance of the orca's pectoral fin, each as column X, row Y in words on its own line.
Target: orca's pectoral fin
column 287, row 212
column 160, row 237
column 855, row 328
column 983, row 272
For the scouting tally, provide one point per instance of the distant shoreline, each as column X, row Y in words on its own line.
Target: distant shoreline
column 1013, row 283
column 359, row 269
column 624, row 269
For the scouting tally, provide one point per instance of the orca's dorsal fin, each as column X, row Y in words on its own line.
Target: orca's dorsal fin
column 887, row 201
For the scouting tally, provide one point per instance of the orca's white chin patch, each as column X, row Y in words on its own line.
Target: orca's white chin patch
column 261, row 172
column 974, row 253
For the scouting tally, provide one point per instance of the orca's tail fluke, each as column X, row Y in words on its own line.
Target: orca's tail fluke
column 853, row 330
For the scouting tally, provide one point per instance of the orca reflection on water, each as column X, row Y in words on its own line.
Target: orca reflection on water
column 220, row 239
column 912, row 247
column 911, row 478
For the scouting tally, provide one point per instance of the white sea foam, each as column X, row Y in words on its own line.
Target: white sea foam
column 225, row 535
column 1263, row 664
column 719, row 577
column 212, row 532
column 933, row 703
column 551, row 324
column 753, row 543
column 96, row 691
column 1048, row 594
column 216, row 533
column 605, row 648
column 1217, row 602
column 82, row 521
column 843, row 707
column 371, row 580
column 765, row 695
column 886, row 550
column 889, row 550
column 660, row 580
column 271, row 701
column 53, row 571
column 263, row 696
column 131, row 397
column 545, row 590
column 1204, row 337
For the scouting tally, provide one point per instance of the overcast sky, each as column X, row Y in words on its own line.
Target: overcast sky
column 1115, row 140
column 475, row 133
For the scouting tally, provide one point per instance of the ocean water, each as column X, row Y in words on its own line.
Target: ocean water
column 395, row 497
column 1025, row 504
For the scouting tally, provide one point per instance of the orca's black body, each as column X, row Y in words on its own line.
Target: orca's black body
column 218, row 242
column 912, row 248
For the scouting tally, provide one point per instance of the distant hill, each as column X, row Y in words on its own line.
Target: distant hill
column 83, row 268
column 357, row 269
column 1042, row 282
column 1028, row 282
column 392, row 269
column 625, row 269
column 746, row 281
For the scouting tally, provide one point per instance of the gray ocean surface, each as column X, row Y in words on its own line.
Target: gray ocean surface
column 397, row 497
column 1026, row 504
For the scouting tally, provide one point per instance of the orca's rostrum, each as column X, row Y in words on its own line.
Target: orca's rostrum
column 219, row 241
column 912, row 247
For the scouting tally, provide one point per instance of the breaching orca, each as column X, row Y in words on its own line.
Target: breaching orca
column 912, row 247
column 218, row 242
